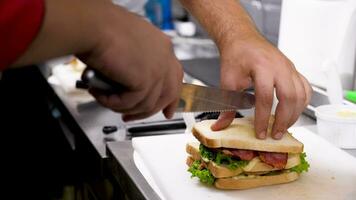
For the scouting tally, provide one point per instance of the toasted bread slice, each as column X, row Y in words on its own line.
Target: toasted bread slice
column 255, row 165
column 251, row 181
column 189, row 161
column 241, row 135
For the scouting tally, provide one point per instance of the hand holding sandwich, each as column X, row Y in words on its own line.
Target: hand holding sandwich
column 248, row 59
column 255, row 62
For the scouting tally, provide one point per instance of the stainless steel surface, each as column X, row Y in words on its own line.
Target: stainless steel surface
column 122, row 166
column 201, row 99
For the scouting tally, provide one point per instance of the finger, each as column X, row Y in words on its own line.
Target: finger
column 169, row 110
column 224, row 120
column 105, row 100
column 171, row 97
column 264, row 99
column 286, row 94
column 149, row 102
column 157, row 108
column 230, row 81
column 138, row 116
column 117, row 102
column 300, row 102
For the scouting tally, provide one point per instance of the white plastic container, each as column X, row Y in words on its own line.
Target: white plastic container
column 337, row 124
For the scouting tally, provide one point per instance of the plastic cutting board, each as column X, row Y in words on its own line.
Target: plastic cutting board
column 161, row 159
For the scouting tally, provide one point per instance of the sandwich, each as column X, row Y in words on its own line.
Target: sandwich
column 234, row 159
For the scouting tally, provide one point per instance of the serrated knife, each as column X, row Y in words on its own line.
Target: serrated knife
column 194, row 98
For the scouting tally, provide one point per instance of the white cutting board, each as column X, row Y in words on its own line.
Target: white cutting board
column 332, row 175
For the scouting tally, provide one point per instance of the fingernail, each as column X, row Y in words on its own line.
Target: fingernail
column 262, row 135
column 278, row 135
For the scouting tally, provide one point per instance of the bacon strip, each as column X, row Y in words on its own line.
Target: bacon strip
column 240, row 153
column 277, row 160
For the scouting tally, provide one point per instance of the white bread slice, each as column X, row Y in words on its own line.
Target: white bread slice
column 250, row 181
column 254, row 166
column 241, row 135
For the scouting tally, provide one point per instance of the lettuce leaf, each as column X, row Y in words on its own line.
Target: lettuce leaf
column 303, row 166
column 231, row 163
column 206, row 153
column 204, row 175
column 220, row 158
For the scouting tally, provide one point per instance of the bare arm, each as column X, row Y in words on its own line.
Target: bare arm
column 69, row 27
column 224, row 19
column 121, row 45
column 248, row 59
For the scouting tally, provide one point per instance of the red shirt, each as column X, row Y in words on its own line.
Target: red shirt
column 20, row 21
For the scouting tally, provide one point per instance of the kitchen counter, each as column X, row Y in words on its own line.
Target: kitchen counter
column 113, row 152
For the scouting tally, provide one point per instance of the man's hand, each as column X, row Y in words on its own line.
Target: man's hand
column 119, row 44
column 255, row 62
column 248, row 59
column 140, row 57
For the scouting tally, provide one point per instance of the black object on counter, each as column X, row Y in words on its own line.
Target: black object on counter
column 156, row 129
column 109, row 129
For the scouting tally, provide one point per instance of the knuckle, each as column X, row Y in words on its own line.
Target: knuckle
column 289, row 63
column 302, row 98
column 261, row 61
column 288, row 97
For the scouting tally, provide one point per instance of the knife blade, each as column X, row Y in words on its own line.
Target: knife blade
column 193, row 98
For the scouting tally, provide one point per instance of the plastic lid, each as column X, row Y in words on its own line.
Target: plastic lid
column 351, row 96
column 337, row 113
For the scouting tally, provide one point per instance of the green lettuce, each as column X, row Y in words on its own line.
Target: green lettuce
column 231, row 163
column 204, row 175
column 206, row 153
column 303, row 166
column 220, row 158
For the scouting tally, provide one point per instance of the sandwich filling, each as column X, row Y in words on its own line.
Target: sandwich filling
column 239, row 158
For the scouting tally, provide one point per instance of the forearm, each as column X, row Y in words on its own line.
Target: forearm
column 223, row 19
column 69, row 27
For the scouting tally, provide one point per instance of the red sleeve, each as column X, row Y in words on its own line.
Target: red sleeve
column 20, row 21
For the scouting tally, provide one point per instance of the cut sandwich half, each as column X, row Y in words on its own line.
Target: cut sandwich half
column 234, row 159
